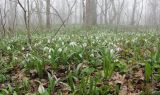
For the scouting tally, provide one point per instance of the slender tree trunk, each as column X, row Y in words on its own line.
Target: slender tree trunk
column 39, row 9
column 28, row 23
column 106, row 11
column 101, row 14
column 91, row 13
column 133, row 12
column 81, row 10
column 48, row 21
column 84, row 12
column 76, row 18
column 12, row 16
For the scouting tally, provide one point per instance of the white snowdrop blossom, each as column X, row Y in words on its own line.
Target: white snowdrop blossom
column 116, row 60
column 30, row 48
column 92, row 55
column 23, row 48
column 145, row 40
column 84, row 44
column 73, row 44
column 45, row 48
column 118, row 49
column 56, row 45
column 40, row 42
column 97, row 38
column 36, row 44
column 8, row 48
column 60, row 39
column 50, row 50
column 134, row 40
column 65, row 49
column 27, row 55
column 41, row 89
column 48, row 41
column 49, row 56
column 60, row 50
column 80, row 55
column 62, row 43
column 93, row 42
column 111, row 51
column 15, row 58
column 72, row 35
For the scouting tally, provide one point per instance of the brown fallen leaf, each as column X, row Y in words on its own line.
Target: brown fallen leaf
column 119, row 79
column 140, row 74
column 33, row 73
column 123, row 91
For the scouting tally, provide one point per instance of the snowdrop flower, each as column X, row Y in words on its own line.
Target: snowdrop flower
column 60, row 39
column 110, row 43
column 34, row 58
column 93, row 42
column 40, row 42
column 116, row 60
column 49, row 41
column 49, row 57
column 72, row 35
column 30, row 48
column 45, row 48
column 118, row 49
column 50, row 50
column 23, row 48
column 73, row 44
column 60, row 50
column 15, row 58
column 36, row 44
column 145, row 40
column 62, row 43
column 8, row 48
column 80, row 55
column 97, row 38
column 134, row 40
column 92, row 55
column 27, row 55
column 41, row 89
column 111, row 51
column 84, row 44
column 65, row 49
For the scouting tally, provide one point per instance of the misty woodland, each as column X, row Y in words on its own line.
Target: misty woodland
column 79, row 47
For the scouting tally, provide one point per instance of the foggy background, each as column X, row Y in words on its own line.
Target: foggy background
column 108, row 12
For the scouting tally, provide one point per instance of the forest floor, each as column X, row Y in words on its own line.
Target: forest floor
column 96, row 62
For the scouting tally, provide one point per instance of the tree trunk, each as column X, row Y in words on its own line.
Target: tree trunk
column 39, row 14
column 48, row 21
column 91, row 13
column 106, row 11
column 133, row 12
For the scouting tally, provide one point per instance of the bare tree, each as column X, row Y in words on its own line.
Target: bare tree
column 91, row 13
column 12, row 16
column 133, row 12
column 119, row 11
column 107, row 6
column 153, row 12
column 48, row 21
column 114, row 11
column 102, row 13
column 27, row 19
column 3, row 18
column 39, row 7
column 84, row 12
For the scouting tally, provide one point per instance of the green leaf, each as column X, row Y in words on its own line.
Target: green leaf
column 148, row 72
